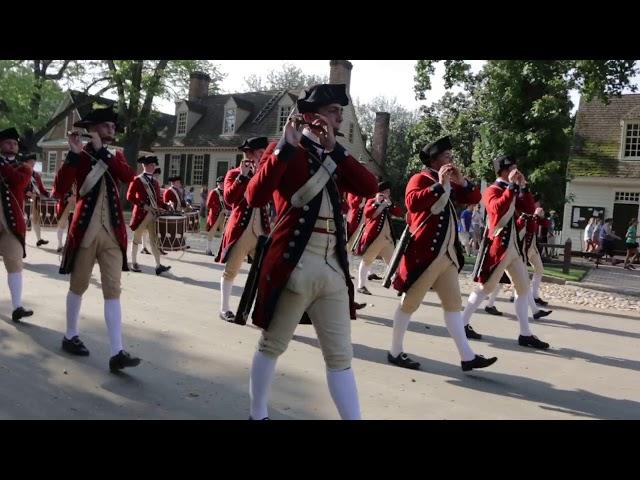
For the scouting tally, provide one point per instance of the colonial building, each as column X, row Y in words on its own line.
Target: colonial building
column 208, row 128
column 604, row 166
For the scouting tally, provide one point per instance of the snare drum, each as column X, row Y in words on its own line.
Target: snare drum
column 48, row 217
column 193, row 222
column 171, row 230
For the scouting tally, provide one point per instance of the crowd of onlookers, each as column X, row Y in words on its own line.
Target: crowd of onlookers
column 599, row 238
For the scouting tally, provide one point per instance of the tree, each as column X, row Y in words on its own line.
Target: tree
column 287, row 77
column 394, row 167
column 138, row 82
column 30, row 91
column 522, row 107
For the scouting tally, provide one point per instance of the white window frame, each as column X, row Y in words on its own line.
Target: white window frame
column 174, row 161
column 225, row 127
column 181, row 127
column 52, row 157
column 200, row 169
column 282, row 119
column 627, row 197
column 623, row 145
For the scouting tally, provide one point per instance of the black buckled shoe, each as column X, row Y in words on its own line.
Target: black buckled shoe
column 403, row 360
column 41, row 242
column 542, row 313
column 227, row 316
column 359, row 306
column 59, row 250
column 471, row 333
column 532, row 341
column 492, row 311
column 209, row 253
column 265, row 418
column 373, row 276
column 161, row 268
column 145, row 251
column 364, row 291
column 122, row 360
column 478, row 362
column 512, row 299
column 74, row 346
column 19, row 313
column 135, row 267
column 162, row 252
column 540, row 302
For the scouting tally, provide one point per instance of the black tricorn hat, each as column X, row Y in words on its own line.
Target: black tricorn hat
column 28, row 156
column 434, row 149
column 147, row 159
column 254, row 143
column 9, row 134
column 175, row 178
column 99, row 115
column 157, row 171
column 220, row 179
column 503, row 162
column 321, row 95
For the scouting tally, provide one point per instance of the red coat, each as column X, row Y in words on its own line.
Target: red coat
column 497, row 199
column 373, row 226
column 285, row 170
column 355, row 213
column 15, row 178
column 41, row 188
column 215, row 205
column 74, row 171
column 138, row 196
column 422, row 191
column 170, row 195
column 235, row 187
column 62, row 203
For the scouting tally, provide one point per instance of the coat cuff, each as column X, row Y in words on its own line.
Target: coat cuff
column 284, row 151
column 339, row 153
column 72, row 158
column 515, row 187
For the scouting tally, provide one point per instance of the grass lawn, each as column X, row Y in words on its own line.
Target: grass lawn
column 576, row 274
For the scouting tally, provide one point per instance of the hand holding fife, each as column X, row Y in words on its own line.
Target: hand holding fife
column 444, row 174
column 75, row 143
column 96, row 141
column 456, row 175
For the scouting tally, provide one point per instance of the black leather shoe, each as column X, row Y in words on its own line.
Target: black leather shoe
column 227, row 316
column 542, row 313
column 161, row 268
column 162, row 252
column 122, row 360
column 59, row 250
column 512, row 299
column 74, row 346
column 145, row 251
column 478, row 362
column 540, row 302
column 532, row 341
column 492, row 311
column 41, row 242
column 359, row 306
column 364, row 291
column 471, row 333
column 19, row 313
column 135, row 267
column 265, row 418
column 209, row 252
column 403, row 360
column 373, row 276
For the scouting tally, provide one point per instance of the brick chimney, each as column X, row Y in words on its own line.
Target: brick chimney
column 198, row 85
column 380, row 137
column 340, row 72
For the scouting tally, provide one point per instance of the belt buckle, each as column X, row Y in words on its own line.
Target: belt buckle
column 331, row 225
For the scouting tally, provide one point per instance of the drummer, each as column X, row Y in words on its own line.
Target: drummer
column 144, row 194
column 35, row 191
column 174, row 195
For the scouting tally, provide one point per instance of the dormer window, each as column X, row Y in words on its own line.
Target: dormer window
column 632, row 141
column 182, row 123
column 229, row 121
column 283, row 115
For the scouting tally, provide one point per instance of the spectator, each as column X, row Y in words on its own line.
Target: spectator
column 188, row 198
column 465, row 228
column 631, row 241
column 607, row 238
column 588, row 235
column 204, row 192
column 477, row 227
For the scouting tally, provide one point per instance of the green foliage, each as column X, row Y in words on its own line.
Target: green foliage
column 288, row 77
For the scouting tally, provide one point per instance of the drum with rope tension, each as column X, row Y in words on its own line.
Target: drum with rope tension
column 171, row 230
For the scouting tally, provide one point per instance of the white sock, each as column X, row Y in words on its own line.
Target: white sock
column 15, row 287
column 73, row 313
column 225, row 292
column 532, row 303
column 400, row 323
column 362, row 274
column 343, row 389
column 491, row 300
column 262, row 369
column 522, row 312
column 36, row 229
column 144, row 241
column 475, row 299
column 113, row 319
column 535, row 285
column 134, row 252
column 453, row 321
column 60, row 232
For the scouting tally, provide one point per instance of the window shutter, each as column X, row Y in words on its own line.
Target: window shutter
column 205, row 170
column 187, row 176
column 165, row 170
